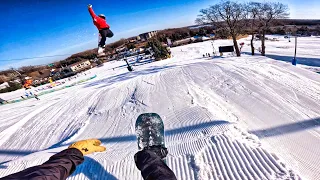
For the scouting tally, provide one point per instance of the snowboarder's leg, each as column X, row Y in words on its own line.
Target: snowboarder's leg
column 152, row 166
column 103, row 34
column 109, row 33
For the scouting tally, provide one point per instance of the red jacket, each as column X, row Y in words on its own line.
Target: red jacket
column 98, row 21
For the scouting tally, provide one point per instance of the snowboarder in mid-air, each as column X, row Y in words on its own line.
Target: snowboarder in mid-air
column 104, row 29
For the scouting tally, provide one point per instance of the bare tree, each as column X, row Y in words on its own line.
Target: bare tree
column 268, row 14
column 227, row 16
column 253, row 11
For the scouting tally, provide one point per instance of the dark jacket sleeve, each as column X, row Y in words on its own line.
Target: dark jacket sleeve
column 152, row 167
column 58, row 167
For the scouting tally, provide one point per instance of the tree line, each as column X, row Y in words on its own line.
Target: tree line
column 234, row 18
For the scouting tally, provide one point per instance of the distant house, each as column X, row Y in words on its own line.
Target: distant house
column 202, row 38
column 4, row 85
column 147, row 35
column 76, row 67
column 121, row 49
column 39, row 76
column 182, row 41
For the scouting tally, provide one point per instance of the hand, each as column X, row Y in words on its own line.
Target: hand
column 89, row 6
column 88, row 146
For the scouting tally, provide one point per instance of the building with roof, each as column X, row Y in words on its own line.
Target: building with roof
column 79, row 66
column 147, row 35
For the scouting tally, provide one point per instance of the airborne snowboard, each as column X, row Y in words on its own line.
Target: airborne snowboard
column 150, row 131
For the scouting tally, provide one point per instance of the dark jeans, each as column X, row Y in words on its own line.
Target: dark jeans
column 152, row 167
column 104, row 34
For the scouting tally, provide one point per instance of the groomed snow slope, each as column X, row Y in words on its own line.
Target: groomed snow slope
column 206, row 105
column 280, row 48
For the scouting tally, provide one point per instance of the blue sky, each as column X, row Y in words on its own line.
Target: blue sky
column 37, row 28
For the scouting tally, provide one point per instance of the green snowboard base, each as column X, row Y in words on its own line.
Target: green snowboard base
column 149, row 130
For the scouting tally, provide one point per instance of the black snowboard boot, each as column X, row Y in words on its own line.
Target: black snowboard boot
column 159, row 150
column 149, row 161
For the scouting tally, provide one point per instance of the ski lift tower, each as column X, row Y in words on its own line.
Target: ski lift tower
column 125, row 59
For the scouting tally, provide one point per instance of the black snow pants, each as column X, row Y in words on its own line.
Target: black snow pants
column 104, row 33
column 152, row 167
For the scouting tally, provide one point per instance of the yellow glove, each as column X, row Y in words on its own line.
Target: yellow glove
column 88, row 146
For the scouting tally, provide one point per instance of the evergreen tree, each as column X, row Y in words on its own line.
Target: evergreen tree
column 160, row 52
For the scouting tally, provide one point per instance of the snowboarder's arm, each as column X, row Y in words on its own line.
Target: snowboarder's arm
column 63, row 164
column 59, row 166
column 93, row 15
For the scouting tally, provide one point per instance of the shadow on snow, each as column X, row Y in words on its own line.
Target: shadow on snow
column 125, row 76
column 126, row 138
column 300, row 60
column 269, row 132
column 287, row 128
column 90, row 164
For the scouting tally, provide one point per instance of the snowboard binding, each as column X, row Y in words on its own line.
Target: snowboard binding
column 159, row 150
